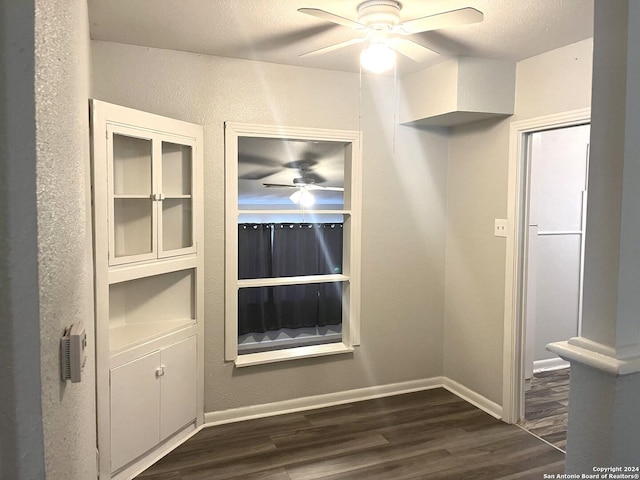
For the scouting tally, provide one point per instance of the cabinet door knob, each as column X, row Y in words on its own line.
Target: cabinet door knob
column 160, row 371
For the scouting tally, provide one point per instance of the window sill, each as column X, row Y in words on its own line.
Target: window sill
column 311, row 351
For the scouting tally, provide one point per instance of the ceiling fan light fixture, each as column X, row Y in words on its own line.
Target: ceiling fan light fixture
column 378, row 57
column 302, row 197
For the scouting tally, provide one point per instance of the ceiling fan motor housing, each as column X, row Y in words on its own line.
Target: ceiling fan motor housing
column 301, row 181
column 384, row 13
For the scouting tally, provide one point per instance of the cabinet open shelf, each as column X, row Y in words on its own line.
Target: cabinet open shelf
column 145, row 308
column 133, row 334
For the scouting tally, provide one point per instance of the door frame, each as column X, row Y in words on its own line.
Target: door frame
column 515, row 264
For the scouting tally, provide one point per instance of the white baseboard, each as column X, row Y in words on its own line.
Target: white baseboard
column 474, row 398
column 549, row 364
column 318, row 401
column 357, row 395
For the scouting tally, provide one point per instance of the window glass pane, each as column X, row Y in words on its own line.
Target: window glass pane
column 267, row 309
column 132, row 228
column 131, row 165
column 255, row 342
column 176, row 223
column 289, row 249
column 254, row 250
column 290, row 174
column 176, row 169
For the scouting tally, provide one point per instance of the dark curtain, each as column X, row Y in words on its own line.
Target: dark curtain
column 284, row 250
column 330, row 294
column 255, row 306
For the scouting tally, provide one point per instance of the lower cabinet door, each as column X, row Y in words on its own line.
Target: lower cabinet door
column 178, row 404
column 135, row 408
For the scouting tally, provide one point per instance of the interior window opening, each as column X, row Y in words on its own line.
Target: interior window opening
column 292, row 258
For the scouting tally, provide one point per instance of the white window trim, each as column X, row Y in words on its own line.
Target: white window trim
column 352, row 241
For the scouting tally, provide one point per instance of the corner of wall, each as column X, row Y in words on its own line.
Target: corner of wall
column 62, row 77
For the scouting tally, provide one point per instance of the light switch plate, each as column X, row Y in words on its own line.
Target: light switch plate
column 500, row 227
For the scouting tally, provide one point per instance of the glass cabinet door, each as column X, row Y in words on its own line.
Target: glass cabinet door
column 132, row 212
column 176, row 229
column 151, row 181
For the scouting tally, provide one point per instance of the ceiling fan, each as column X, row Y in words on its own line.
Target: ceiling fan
column 379, row 20
column 303, row 185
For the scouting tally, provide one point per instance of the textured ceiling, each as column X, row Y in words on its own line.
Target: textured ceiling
column 274, row 31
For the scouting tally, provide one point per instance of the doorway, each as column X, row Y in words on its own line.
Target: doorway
column 548, row 237
column 555, row 214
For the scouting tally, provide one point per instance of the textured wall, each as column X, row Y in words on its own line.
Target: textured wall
column 21, row 446
column 553, row 82
column 64, row 231
column 404, row 177
column 604, row 424
column 474, row 279
column 556, row 81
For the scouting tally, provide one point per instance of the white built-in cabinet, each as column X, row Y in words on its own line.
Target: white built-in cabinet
column 159, row 385
column 147, row 217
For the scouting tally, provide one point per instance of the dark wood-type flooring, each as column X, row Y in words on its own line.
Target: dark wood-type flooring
column 546, row 406
column 425, row 435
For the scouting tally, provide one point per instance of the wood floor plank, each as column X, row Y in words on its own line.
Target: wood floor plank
column 197, row 454
column 362, row 461
column 398, row 469
column 546, row 406
column 269, row 474
column 431, row 435
column 282, row 457
column 490, row 467
column 537, row 473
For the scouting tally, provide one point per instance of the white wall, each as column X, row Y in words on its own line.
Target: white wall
column 474, row 278
column 64, row 231
column 46, row 279
column 404, row 181
column 556, row 81
column 21, row 445
column 604, row 425
column 553, row 82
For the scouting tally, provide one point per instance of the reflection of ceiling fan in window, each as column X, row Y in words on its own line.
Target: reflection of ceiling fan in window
column 384, row 35
column 304, row 185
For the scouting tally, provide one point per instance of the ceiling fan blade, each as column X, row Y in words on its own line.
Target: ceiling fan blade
column 331, row 48
column 258, row 174
column 321, row 187
column 331, row 17
column 415, row 51
column 279, row 185
column 245, row 159
column 463, row 16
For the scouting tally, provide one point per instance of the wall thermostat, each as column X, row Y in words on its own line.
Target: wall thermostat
column 73, row 353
